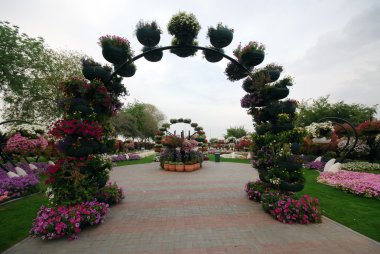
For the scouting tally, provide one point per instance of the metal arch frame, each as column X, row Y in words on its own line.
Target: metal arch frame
column 177, row 47
column 189, row 131
column 339, row 121
column 3, row 155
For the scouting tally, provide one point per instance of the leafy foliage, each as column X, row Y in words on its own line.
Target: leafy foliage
column 237, row 132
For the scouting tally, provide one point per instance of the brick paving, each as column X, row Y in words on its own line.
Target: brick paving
column 205, row 212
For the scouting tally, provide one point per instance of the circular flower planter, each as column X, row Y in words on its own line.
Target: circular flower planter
column 290, row 166
column 276, row 128
column 274, row 75
column 127, row 70
column 213, row 57
column 185, row 52
column 154, row 56
column 220, row 38
column 148, row 37
column 252, row 58
column 278, row 93
column 189, row 168
column 180, row 167
column 294, row 187
column 114, row 54
column 93, row 72
column 235, row 72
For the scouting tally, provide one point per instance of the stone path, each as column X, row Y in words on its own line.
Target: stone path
column 204, row 212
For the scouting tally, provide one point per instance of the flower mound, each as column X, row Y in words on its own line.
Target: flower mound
column 358, row 183
column 54, row 223
column 318, row 165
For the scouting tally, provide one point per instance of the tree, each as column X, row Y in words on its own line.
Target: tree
column 138, row 120
column 237, row 132
column 321, row 107
column 31, row 74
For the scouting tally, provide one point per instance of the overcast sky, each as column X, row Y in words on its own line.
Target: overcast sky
column 329, row 47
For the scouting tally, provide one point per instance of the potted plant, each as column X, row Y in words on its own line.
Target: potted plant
column 166, row 165
column 116, row 49
column 187, row 120
column 180, row 167
column 172, row 166
column 186, row 51
column 127, row 70
column 148, row 33
column 250, row 55
column 234, row 72
column 152, row 56
column 193, row 125
column 213, row 57
column 180, row 120
column 274, row 71
column 189, row 166
column 221, row 36
column 173, row 121
column 184, row 26
column 92, row 70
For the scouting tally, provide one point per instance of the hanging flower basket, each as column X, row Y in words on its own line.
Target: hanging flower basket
column 278, row 93
column 252, row 57
column 96, row 72
column 274, row 75
column 183, row 52
column 262, row 129
column 77, row 148
column 184, row 26
column 293, row 187
column 221, row 36
column 235, row 72
column 114, row 54
column 276, row 128
column 127, row 71
column 290, row 166
column 148, row 34
column 83, row 109
column 154, row 56
column 213, row 57
column 116, row 88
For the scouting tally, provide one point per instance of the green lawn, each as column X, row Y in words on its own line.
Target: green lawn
column 148, row 159
column 212, row 158
column 16, row 219
column 358, row 213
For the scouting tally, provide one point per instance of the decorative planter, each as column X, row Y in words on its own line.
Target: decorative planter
column 172, row 167
column 322, row 140
column 84, row 110
column 189, row 168
column 93, row 72
column 127, row 70
column 180, row 167
column 197, row 166
column 213, row 57
column 114, row 54
column 148, row 37
column 252, row 58
column 278, row 93
column 185, row 52
column 274, row 75
column 290, row 166
column 166, row 166
column 220, row 38
column 235, row 72
column 276, row 128
column 154, row 56
column 262, row 129
column 77, row 148
column 294, row 187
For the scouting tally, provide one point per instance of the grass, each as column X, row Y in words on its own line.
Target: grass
column 358, row 213
column 16, row 219
column 148, row 159
column 246, row 161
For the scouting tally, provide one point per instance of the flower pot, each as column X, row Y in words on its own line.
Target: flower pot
column 185, row 52
column 197, row 166
column 166, row 166
column 276, row 128
column 262, row 129
column 235, row 72
column 157, row 150
column 116, row 88
column 93, row 72
column 220, row 38
column 172, row 167
column 278, row 93
column 180, row 167
column 252, row 58
column 290, row 166
column 189, row 168
column 213, row 57
column 154, row 56
column 293, row 187
column 114, row 54
column 148, row 37
column 127, row 70
column 274, row 75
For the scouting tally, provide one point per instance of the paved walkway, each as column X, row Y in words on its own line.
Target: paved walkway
column 205, row 212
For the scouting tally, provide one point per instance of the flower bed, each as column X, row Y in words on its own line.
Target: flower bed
column 318, row 165
column 360, row 166
column 57, row 222
column 284, row 207
column 125, row 157
column 358, row 183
